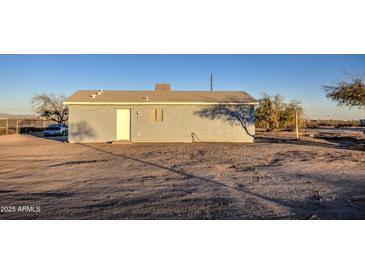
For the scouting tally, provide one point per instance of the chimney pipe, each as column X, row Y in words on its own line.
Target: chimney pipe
column 162, row 87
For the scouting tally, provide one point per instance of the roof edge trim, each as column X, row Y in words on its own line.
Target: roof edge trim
column 157, row 103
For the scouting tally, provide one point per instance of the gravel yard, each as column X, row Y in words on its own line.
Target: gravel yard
column 274, row 178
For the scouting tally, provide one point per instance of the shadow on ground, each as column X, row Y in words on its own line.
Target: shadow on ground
column 348, row 204
column 53, row 138
column 330, row 142
column 185, row 181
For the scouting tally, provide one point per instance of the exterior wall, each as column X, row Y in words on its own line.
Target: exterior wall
column 91, row 123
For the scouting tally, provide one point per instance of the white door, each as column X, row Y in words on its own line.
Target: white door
column 123, row 124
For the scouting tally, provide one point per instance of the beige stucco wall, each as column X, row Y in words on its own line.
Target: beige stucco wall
column 97, row 123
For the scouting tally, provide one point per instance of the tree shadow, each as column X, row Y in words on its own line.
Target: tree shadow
column 81, row 131
column 233, row 114
column 347, row 200
column 77, row 163
column 78, row 132
column 336, row 143
column 10, row 195
column 61, row 139
column 299, row 209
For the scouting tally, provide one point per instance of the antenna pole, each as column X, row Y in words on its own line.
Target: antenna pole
column 211, row 82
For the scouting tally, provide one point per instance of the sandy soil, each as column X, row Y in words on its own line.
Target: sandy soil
column 275, row 178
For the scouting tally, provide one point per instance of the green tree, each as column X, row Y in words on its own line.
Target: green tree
column 273, row 113
column 349, row 93
column 264, row 114
column 279, row 108
column 288, row 114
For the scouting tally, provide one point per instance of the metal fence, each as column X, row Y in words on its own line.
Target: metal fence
column 17, row 126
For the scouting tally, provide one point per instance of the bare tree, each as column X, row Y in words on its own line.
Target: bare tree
column 348, row 92
column 50, row 106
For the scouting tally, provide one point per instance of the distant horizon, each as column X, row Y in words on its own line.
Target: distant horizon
column 296, row 77
column 35, row 115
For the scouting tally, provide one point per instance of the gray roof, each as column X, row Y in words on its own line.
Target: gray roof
column 158, row 96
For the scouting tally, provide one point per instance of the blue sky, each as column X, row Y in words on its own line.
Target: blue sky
column 293, row 76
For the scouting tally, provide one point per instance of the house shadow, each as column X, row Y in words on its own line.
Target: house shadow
column 347, row 202
column 339, row 208
column 345, row 143
column 232, row 114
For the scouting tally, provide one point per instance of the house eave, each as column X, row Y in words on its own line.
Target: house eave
column 158, row 103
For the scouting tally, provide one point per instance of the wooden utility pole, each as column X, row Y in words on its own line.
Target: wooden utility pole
column 211, row 82
column 296, row 124
column 7, row 127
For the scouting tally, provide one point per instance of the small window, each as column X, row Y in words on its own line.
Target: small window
column 156, row 115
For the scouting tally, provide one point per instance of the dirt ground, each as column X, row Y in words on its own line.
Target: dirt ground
column 276, row 177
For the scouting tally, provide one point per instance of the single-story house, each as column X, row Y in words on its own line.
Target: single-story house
column 160, row 115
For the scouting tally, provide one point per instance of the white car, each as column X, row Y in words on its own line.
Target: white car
column 55, row 130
